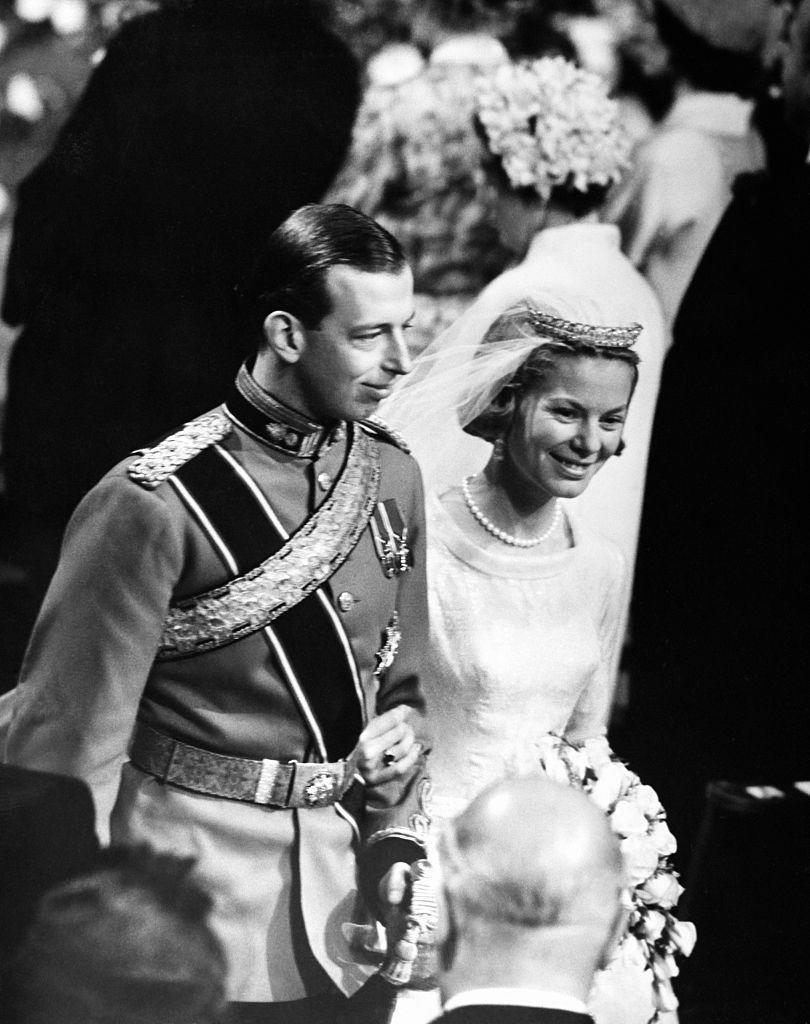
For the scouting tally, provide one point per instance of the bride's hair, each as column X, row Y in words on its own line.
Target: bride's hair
column 494, row 419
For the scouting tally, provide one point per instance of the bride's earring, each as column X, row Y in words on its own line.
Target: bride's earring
column 498, row 449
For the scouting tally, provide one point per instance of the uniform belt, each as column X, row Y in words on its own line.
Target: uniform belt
column 267, row 782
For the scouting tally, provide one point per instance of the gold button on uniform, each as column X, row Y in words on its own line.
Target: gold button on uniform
column 324, row 481
column 345, row 601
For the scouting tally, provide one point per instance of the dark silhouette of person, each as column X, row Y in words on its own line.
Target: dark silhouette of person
column 128, row 943
column 47, row 835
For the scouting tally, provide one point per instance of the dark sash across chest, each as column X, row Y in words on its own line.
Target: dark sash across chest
column 277, row 584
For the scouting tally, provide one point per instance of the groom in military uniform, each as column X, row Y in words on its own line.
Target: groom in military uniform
column 231, row 645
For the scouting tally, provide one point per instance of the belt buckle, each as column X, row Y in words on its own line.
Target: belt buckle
column 321, row 789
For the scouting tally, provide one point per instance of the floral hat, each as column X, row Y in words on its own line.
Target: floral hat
column 552, row 124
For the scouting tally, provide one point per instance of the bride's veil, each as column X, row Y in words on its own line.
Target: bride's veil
column 456, row 377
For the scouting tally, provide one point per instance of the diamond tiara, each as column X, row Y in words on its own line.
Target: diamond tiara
column 598, row 335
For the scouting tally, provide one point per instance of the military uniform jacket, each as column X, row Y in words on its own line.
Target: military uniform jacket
column 285, row 881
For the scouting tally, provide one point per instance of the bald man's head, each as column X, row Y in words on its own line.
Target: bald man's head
column 530, row 852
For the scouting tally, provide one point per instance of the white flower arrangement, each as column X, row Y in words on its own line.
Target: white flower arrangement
column 653, row 935
column 552, row 124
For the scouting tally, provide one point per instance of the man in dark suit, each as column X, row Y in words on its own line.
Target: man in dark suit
column 47, row 835
column 526, row 922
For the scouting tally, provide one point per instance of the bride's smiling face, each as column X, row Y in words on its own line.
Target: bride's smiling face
column 567, row 426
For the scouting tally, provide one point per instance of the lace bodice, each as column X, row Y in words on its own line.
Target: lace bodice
column 523, row 643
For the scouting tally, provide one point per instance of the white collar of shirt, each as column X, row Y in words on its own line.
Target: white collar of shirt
column 516, row 997
column 720, row 113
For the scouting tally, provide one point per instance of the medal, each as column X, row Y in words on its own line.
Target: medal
column 386, row 654
column 390, row 539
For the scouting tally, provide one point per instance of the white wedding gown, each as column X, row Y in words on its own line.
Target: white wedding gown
column 522, row 644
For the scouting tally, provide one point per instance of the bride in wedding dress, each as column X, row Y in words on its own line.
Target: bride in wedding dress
column 515, row 409
column 518, row 406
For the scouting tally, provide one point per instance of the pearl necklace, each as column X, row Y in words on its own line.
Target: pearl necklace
column 496, row 531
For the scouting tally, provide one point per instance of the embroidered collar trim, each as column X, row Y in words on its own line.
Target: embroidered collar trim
column 276, row 424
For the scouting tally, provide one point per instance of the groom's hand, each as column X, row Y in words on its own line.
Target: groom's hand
column 387, row 748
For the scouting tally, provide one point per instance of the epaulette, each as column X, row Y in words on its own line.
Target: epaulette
column 154, row 465
column 379, row 428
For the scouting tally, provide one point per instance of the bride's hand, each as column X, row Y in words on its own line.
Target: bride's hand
column 387, row 748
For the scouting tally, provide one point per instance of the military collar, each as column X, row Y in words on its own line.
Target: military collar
column 276, row 424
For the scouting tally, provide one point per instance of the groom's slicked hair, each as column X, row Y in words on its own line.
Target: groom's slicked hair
column 290, row 273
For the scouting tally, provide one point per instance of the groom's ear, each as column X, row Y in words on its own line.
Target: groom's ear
column 285, row 335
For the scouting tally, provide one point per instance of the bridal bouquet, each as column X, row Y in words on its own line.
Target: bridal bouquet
column 654, row 935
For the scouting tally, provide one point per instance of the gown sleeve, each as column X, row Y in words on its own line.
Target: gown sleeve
column 590, row 716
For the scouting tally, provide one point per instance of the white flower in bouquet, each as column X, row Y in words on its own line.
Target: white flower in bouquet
column 662, row 889
column 653, row 924
column 665, row 999
column 631, row 952
column 628, row 972
column 664, row 840
column 647, row 801
column 683, row 935
column 640, row 858
column 599, row 753
column 664, row 967
column 613, row 780
column 627, row 820
column 645, row 958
